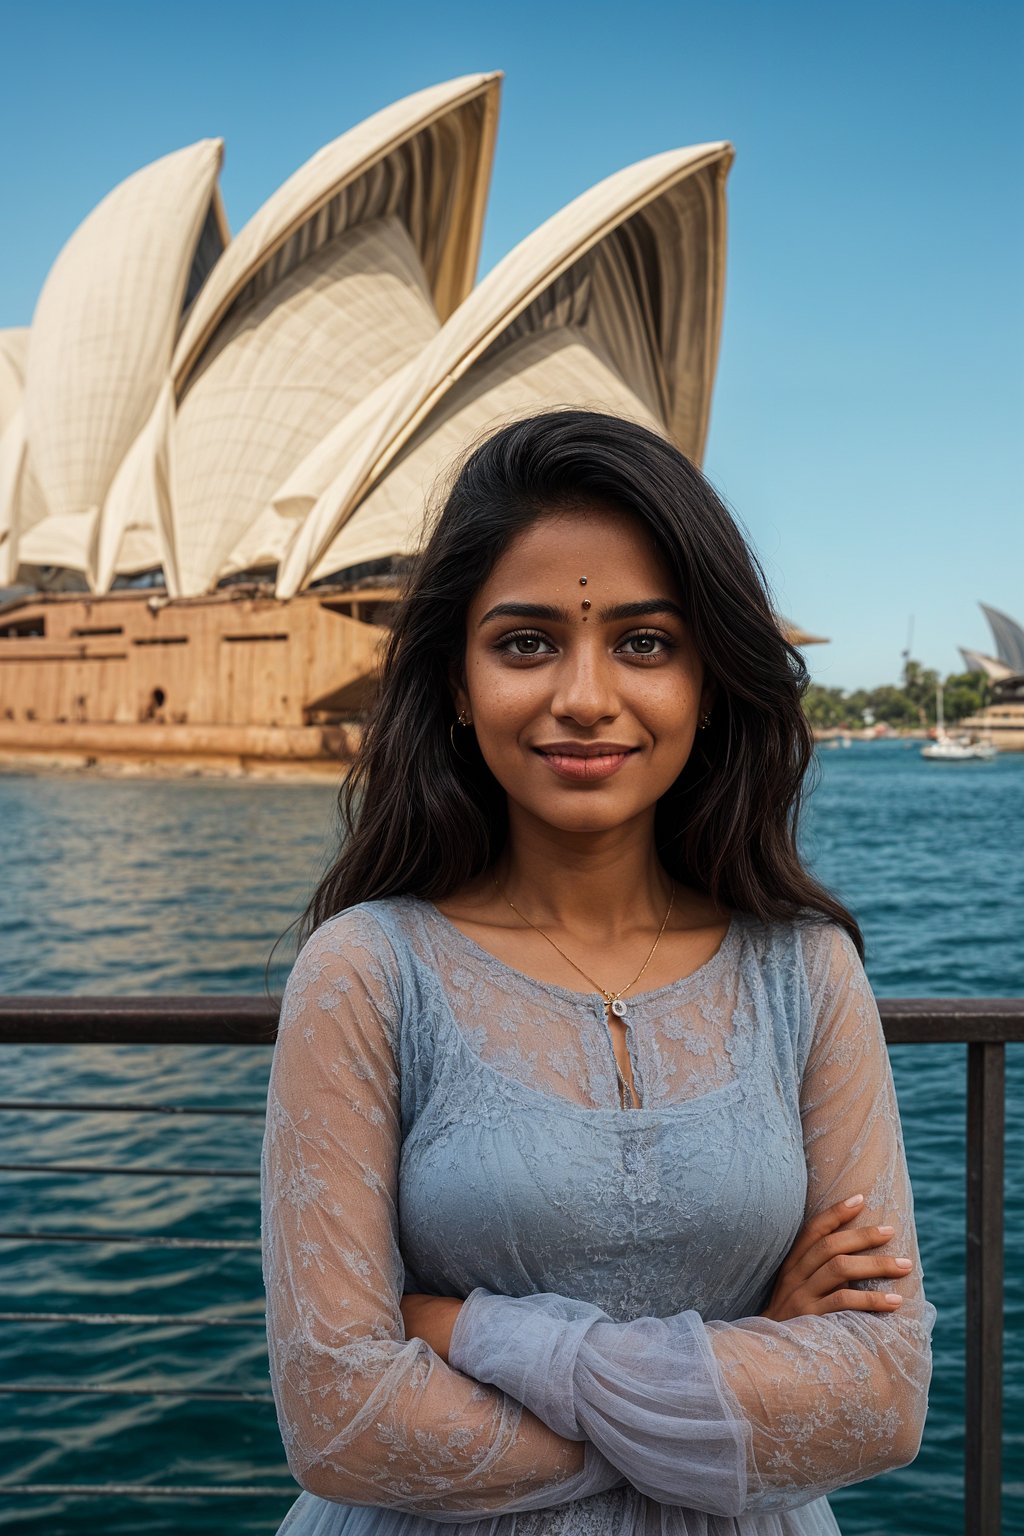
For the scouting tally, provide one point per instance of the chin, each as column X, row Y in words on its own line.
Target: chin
column 584, row 817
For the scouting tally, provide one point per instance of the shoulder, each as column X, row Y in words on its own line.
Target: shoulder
column 830, row 959
column 809, row 944
column 806, row 968
column 359, row 948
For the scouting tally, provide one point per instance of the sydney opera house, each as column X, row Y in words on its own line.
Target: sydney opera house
column 216, row 450
column 1002, row 719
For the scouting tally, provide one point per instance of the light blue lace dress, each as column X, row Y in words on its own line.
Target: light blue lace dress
column 440, row 1122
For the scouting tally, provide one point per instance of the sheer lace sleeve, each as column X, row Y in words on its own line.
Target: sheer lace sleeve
column 730, row 1417
column 832, row 1400
column 367, row 1416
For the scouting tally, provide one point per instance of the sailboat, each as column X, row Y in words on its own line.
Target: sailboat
column 954, row 749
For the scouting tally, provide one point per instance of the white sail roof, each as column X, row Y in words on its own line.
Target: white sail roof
column 1009, row 638
column 631, row 272
column 12, row 450
column 13, row 353
column 104, row 329
column 290, row 398
column 22, row 506
column 135, row 532
column 977, row 661
column 535, row 373
column 340, row 279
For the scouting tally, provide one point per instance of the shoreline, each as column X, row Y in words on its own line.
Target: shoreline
column 246, row 769
column 95, row 766
column 869, row 733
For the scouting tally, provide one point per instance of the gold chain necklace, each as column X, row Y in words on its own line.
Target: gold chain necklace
column 613, row 1000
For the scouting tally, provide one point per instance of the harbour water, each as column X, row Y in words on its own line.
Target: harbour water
column 114, row 886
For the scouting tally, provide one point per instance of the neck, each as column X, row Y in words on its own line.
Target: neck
column 603, row 884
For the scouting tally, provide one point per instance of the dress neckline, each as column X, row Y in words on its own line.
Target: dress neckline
column 682, row 984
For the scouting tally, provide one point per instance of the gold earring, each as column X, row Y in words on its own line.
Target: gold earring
column 451, row 730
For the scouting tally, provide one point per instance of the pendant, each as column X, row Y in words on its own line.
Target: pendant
column 619, row 1008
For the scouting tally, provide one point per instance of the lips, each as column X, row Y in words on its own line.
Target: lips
column 585, row 761
column 586, row 748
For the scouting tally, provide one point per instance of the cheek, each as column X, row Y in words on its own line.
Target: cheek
column 666, row 702
column 503, row 694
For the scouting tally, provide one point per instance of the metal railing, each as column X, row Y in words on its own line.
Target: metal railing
column 984, row 1025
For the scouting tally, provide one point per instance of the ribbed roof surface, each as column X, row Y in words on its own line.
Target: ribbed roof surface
column 13, row 356
column 104, row 327
column 536, row 373
column 1008, row 636
column 449, row 255
column 653, row 237
column 135, row 532
column 23, row 508
column 329, row 290
column 994, row 669
column 291, row 398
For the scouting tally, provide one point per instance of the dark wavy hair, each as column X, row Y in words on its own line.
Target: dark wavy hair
column 419, row 817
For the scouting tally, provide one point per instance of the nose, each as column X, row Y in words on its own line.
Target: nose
column 585, row 688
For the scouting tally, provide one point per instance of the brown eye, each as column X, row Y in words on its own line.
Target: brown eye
column 647, row 643
column 523, row 643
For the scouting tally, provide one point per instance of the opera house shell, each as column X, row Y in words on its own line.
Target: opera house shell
column 1002, row 719
column 215, row 451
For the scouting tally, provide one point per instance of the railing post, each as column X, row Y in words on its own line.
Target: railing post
column 986, row 1114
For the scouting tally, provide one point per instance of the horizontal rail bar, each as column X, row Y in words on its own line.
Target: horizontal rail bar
column 191, row 1020
column 130, row 1241
column 95, row 1107
column 952, row 1020
column 148, row 1490
column 236, row 1020
column 187, row 1319
column 92, row 1389
column 141, row 1171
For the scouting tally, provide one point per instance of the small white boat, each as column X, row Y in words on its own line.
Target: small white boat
column 954, row 749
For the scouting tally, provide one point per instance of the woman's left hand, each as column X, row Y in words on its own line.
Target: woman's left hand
column 431, row 1318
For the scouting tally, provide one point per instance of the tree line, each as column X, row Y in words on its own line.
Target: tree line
column 910, row 704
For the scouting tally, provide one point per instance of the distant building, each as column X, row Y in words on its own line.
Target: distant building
column 213, row 451
column 1003, row 719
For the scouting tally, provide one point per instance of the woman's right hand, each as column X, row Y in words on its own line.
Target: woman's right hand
column 815, row 1277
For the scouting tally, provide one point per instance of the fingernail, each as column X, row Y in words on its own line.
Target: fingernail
column 893, row 1296
column 887, row 1230
column 905, row 1263
column 854, row 1200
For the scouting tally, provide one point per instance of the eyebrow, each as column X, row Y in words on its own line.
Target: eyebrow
column 646, row 608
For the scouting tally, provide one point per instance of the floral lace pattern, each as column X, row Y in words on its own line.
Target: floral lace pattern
column 438, row 1121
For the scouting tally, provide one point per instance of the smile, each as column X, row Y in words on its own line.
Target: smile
column 585, row 763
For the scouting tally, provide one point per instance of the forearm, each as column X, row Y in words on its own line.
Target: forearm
column 389, row 1424
column 830, row 1400
column 648, row 1394
column 722, row 1417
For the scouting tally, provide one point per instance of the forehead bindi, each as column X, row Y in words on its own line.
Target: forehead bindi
column 547, row 562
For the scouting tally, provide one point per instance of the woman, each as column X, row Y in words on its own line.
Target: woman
column 585, row 1207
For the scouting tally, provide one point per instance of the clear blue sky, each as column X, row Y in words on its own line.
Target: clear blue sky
column 867, row 422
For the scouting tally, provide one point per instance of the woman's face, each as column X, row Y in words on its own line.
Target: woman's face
column 584, row 697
